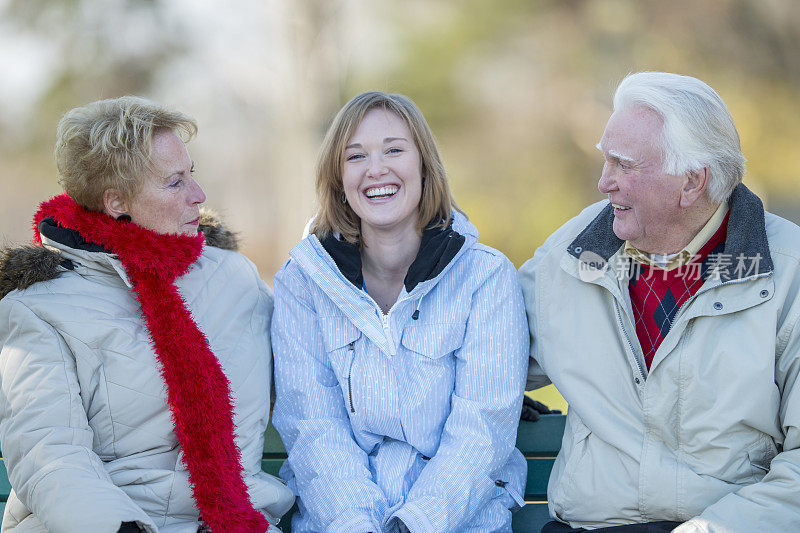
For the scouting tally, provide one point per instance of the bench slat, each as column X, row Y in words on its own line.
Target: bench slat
column 5, row 485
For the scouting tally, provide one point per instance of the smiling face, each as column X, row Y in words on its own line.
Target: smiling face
column 646, row 200
column 170, row 199
column 381, row 173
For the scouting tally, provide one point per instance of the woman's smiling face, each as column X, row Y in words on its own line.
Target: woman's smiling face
column 382, row 173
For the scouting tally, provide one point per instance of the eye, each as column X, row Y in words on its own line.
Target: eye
column 354, row 157
column 177, row 183
column 394, row 150
column 625, row 166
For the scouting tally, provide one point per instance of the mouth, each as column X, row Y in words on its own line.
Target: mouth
column 618, row 207
column 384, row 191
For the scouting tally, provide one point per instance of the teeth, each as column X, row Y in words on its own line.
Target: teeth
column 381, row 191
column 620, row 207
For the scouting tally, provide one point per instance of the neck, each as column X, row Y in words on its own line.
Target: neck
column 387, row 255
column 385, row 259
column 689, row 224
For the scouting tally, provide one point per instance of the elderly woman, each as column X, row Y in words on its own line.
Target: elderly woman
column 135, row 360
column 400, row 343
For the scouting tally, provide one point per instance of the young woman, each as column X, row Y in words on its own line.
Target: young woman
column 135, row 362
column 400, row 343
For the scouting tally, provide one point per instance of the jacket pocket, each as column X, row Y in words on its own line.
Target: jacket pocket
column 337, row 332
column 760, row 458
column 564, row 495
column 339, row 337
column 433, row 340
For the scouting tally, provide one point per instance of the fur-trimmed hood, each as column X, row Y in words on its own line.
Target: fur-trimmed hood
column 23, row 265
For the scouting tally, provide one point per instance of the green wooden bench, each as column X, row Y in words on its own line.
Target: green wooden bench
column 538, row 441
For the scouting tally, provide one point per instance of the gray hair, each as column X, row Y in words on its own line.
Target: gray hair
column 698, row 128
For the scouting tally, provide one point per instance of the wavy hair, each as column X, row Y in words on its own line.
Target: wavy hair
column 108, row 145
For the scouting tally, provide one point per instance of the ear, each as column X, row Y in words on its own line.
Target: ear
column 113, row 204
column 694, row 186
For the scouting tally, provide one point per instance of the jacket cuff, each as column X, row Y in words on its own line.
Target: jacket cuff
column 414, row 519
column 695, row 525
column 356, row 524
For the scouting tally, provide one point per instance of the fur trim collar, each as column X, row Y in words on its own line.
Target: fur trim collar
column 198, row 392
column 22, row 266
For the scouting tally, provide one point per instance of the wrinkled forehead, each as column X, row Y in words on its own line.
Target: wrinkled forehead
column 633, row 132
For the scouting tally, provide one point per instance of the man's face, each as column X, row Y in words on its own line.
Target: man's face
column 646, row 200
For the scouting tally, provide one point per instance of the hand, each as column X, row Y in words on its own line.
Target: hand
column 531, row 410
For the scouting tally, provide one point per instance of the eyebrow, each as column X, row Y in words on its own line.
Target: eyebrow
column 385, row 141
column 178, row 173
column 617, row 155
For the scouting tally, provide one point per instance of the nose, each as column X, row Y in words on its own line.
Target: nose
column 197, row 196
column 607, row 183
column 376, row 168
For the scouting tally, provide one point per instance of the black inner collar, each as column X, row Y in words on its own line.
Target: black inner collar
column 438, row 247
column 68, row 237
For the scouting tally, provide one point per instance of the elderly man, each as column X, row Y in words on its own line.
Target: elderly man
column 668, row 316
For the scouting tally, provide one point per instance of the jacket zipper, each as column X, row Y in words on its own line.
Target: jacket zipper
column 349, row 375
column 628, row 338
column 678, row 314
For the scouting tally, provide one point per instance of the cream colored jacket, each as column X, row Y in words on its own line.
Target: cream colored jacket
column 710, row 434
column 86, row 432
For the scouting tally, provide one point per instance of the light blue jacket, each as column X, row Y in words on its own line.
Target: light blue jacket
column 392, row 416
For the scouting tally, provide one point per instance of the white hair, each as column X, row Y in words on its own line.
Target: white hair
column 698, row 128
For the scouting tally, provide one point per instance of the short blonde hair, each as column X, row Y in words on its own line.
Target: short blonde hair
column 108, row 145
column 333, row 215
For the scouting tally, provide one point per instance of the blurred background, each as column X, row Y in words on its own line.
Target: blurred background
column 516, row 91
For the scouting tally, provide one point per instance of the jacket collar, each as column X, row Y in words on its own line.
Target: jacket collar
column 746, row 237
column 23, row 265
column 320, row 268
column 438, row 247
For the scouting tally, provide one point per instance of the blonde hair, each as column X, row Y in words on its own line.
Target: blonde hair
column 108, row 145
column 334, row 216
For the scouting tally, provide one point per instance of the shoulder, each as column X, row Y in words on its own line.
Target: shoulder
column 783, row 236
column 26, row 265
column 52, row 304
column 483, row 258
column 227, row 263
column 225, row 272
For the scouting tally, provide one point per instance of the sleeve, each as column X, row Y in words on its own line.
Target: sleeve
column 773, row 503
column 45, row 435
column 480, row 433
column 527, row 278
column 331, row 472
column 267, row 493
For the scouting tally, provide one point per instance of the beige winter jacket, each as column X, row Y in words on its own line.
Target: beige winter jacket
column 86, row 433
column 710, row 435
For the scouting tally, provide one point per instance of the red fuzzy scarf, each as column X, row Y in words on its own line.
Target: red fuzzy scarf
column 198, row 391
